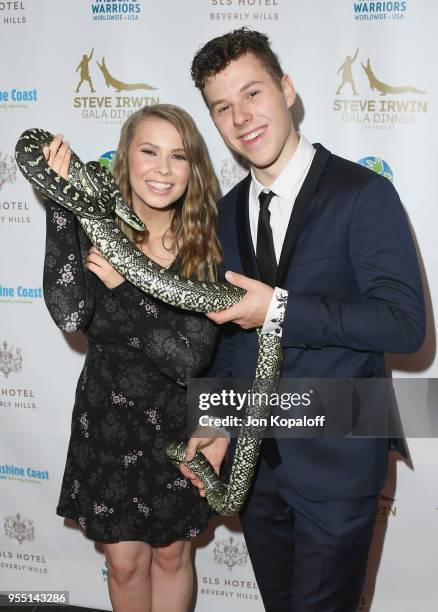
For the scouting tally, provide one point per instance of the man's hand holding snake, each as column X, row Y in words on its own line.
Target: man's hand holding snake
column 251, row 311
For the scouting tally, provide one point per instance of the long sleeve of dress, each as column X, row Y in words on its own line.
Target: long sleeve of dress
column 69, row 290
column 178, row 343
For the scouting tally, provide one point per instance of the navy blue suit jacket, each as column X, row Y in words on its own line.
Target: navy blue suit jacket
column 349, row 264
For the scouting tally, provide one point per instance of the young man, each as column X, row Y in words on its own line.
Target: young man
column 333, row 240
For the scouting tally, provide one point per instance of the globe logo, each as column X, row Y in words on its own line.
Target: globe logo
column 107, row 159
column 378, row 165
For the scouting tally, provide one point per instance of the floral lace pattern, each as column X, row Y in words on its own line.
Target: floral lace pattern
column 66, row 272
column 141, row 507
column 131, row 458
column 60, row 220
column 84, row 422
column 149, row 307
column 153, row 417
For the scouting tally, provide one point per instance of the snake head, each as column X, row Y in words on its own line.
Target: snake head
column 128, row 215
column 101, row 181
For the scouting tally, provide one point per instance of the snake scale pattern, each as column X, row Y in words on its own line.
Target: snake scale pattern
column 92, row 195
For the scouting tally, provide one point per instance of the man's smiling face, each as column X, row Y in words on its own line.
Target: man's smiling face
column 251, row 111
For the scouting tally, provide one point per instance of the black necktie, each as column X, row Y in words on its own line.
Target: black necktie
column 266, row 260
column 267, row 263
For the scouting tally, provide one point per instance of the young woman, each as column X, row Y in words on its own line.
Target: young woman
column 118, row 484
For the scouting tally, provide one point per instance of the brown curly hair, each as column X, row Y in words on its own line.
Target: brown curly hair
column 194, row 221
column 216, row 55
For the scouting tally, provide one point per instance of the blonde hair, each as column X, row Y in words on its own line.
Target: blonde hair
column 194, row 221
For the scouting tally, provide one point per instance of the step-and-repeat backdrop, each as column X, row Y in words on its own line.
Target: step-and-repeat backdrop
column 366, row 76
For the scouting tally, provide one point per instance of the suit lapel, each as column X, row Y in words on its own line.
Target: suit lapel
column 246, row 247
column 299, row 210
column 304, row 197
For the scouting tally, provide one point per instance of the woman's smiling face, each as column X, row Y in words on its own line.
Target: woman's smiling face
column 158, row 168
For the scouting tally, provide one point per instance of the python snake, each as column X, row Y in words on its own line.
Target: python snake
column 92, row 195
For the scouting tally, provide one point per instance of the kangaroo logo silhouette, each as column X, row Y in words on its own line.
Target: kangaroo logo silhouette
column 384, row 89
column 119, row 85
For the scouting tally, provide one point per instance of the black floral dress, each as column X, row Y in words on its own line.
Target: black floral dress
column 130, row 399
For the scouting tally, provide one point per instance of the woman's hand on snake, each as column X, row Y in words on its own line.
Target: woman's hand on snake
column 251, row 311
column 213, row 448
column 58, row 156
column 97, row 264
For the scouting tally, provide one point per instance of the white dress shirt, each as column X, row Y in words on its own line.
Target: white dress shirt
column 286, row 188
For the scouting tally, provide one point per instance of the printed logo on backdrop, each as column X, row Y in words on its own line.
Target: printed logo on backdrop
column 20, row 294
column 26, row 475
column 107, row 159
column 17, row 97
column 230, row 553
column 104, row 94
column 8, row 169
column 369, row 10
column 11, row 360
column 367, row 96
column 231, row 173
column 385, row 509
column 11, row 211
column 11, row 365
column 12, row 13
column 19, row 528
column 22, row 530
column 122, row 10
column 377, row 165
column 255, row 11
